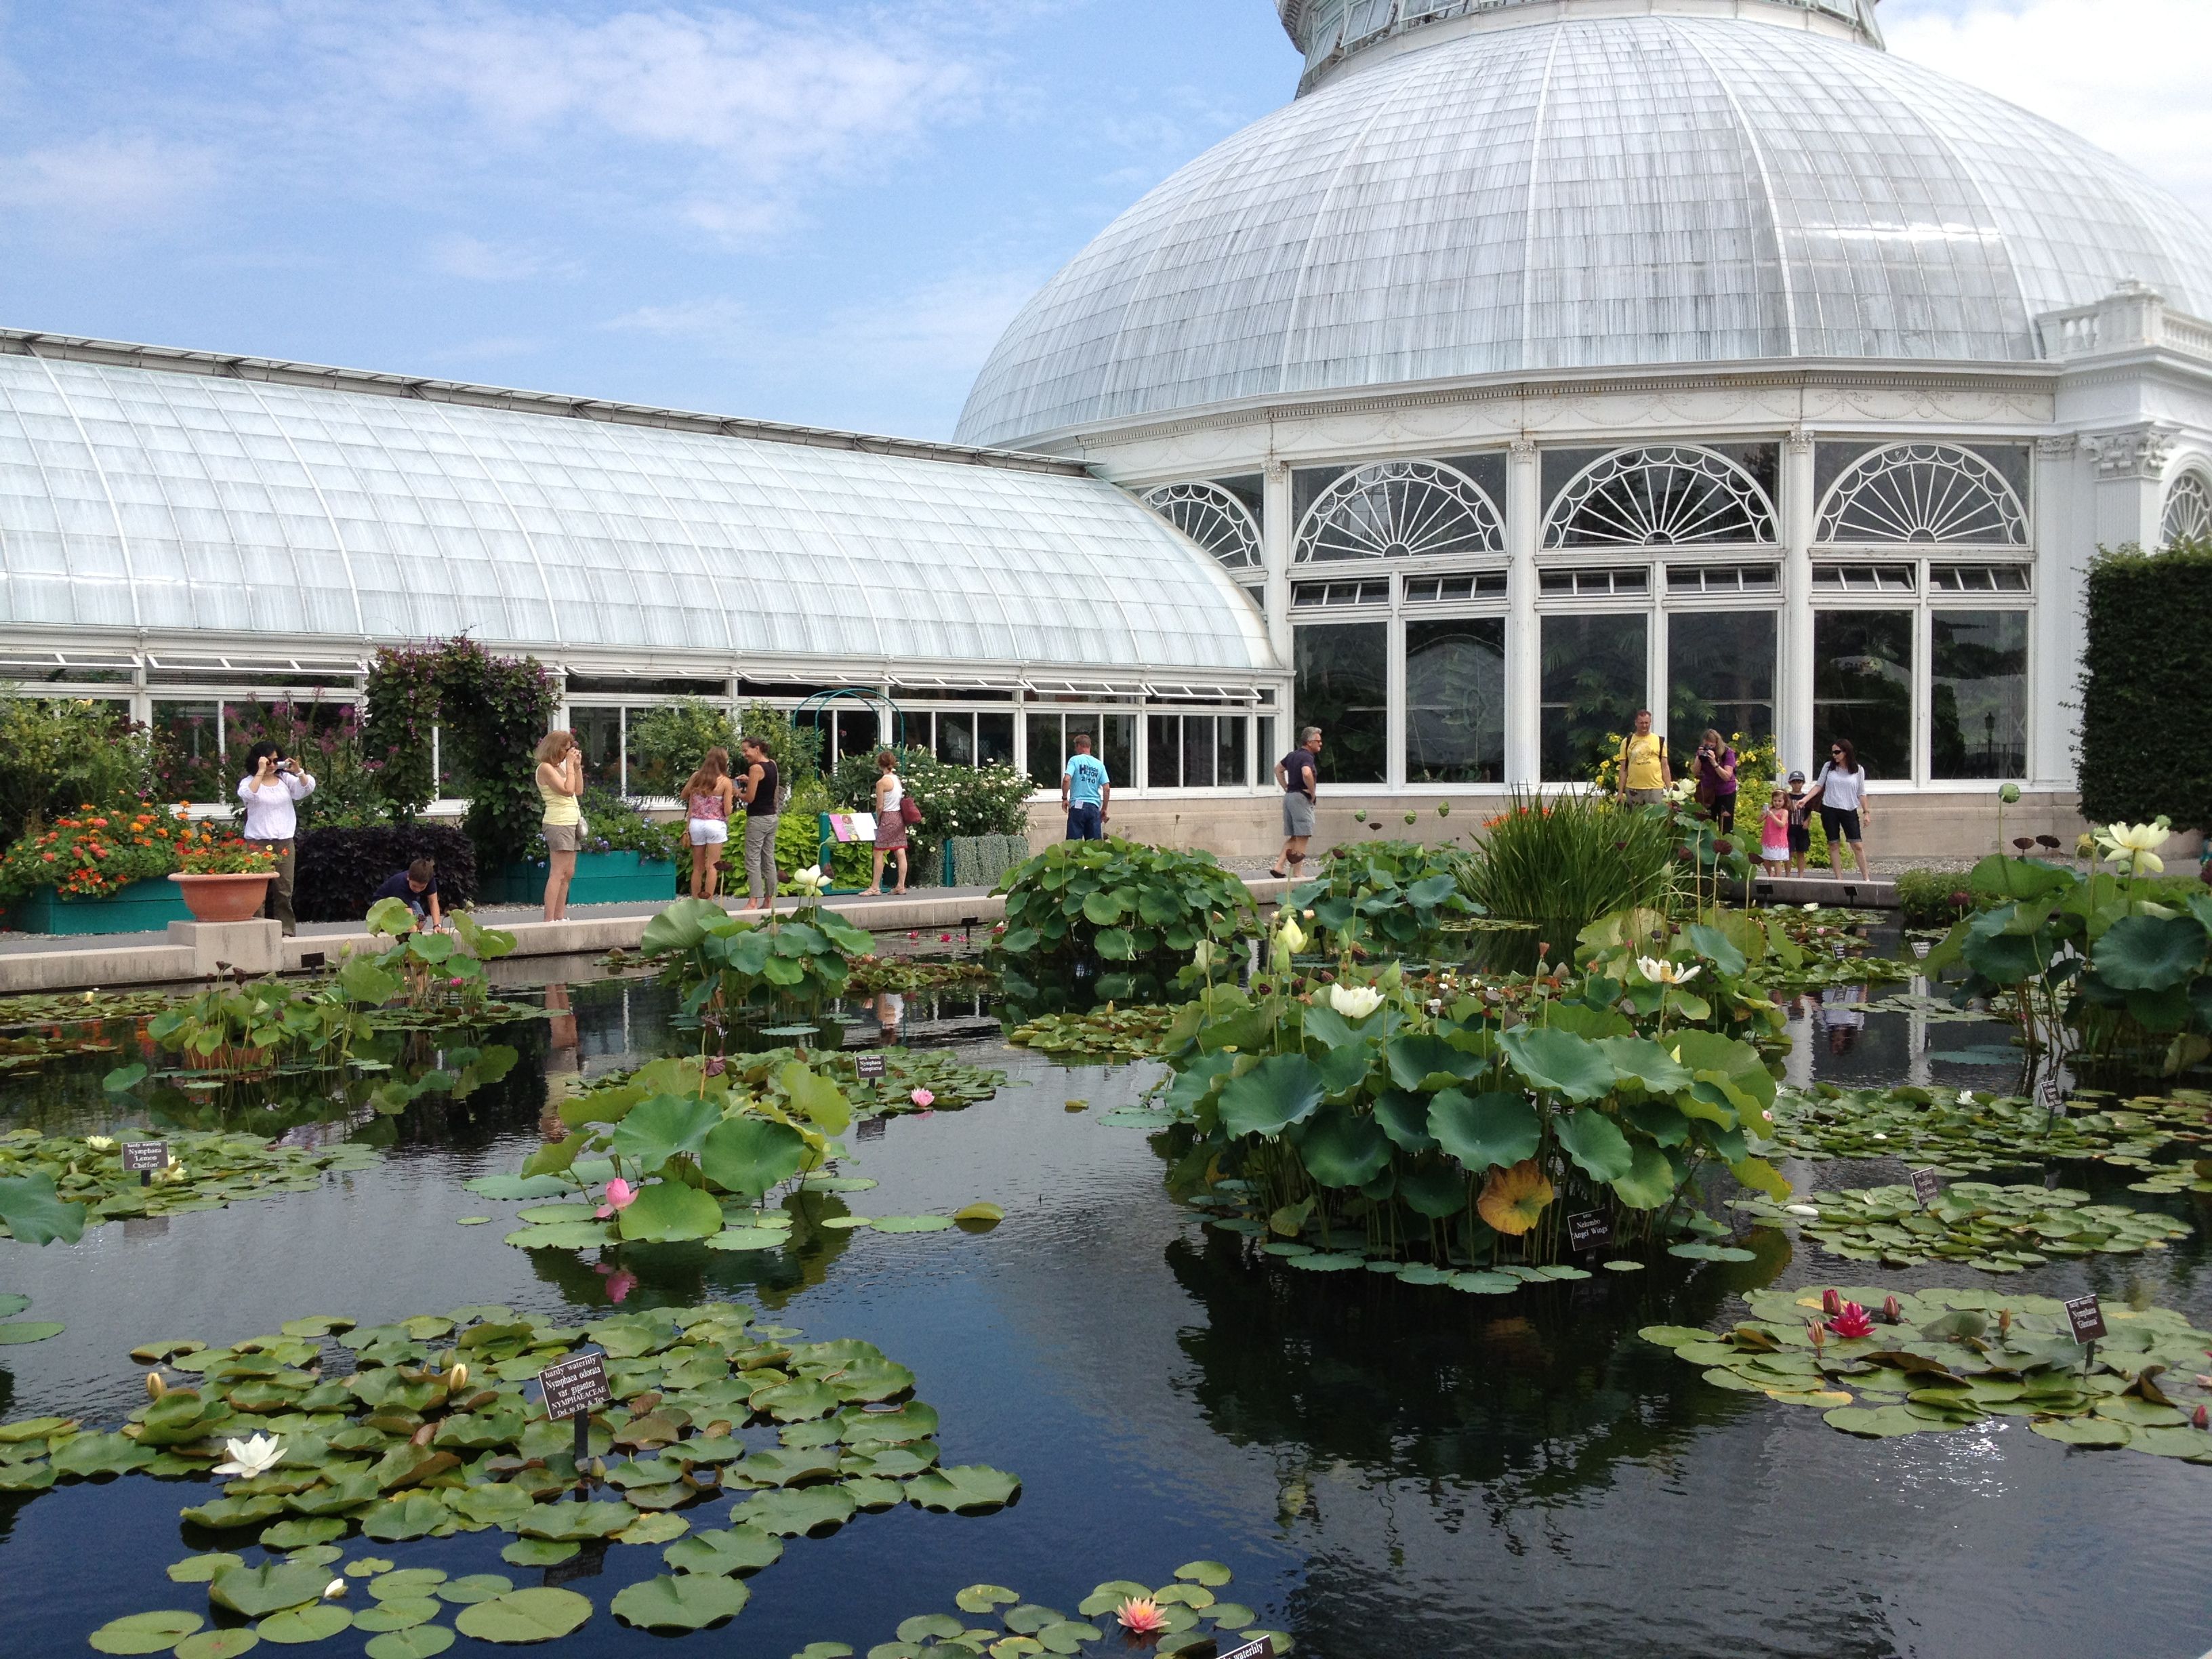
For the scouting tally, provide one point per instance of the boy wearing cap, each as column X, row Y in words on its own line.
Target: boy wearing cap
column 1801, row 828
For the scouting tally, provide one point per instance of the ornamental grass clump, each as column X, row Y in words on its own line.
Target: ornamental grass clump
column 1563, row 862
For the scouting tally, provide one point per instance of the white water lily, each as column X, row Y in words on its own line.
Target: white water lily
column 1661, row 972
column 1815, row 905
column 1966, row 1096
column 101, row 1143
column 811, row 880
column 334, row 1589
column 1802, row 1209
column 1354, row 1001
column 251, row 1457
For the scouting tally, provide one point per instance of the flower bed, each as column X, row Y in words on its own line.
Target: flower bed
column 101, row 870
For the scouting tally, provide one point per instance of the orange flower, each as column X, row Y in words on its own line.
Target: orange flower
column 48, row 857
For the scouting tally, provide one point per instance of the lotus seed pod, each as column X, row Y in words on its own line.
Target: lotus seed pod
column 154, row 1387
column 1444, row 809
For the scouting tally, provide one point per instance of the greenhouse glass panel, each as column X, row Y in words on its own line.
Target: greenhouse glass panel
column 1720, row 673
column 1232, row 766
column 1594, row 677
column 600, row 735
column 1343, row 688
column 1456, row 701
column 1978, row 687
column 994, row 739
column 1862, row 687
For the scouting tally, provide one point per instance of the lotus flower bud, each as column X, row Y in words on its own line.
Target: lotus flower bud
column 598, row 1469
column 1892, row 1313
column 2201, row 1418
column 1831, row 1304
column 154, row 1387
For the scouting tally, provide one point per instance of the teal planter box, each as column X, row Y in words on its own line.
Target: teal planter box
column 600, row 879
column 143, row 907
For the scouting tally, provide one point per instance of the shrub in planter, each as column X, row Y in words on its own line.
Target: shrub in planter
column 58, row 752
column 955, row 801
column 616, row 826
column 339, row 870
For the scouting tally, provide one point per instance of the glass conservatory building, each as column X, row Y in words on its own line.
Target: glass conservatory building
column 194, row 534
column 1548, row 359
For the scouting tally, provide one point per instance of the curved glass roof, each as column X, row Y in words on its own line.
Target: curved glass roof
column 138, row 498
column 1591, row 192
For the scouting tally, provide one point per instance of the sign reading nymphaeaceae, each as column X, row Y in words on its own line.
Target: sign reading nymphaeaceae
column 1927, row 1187
column 1591, row 1231
column 870, row 1067
column 2087, row 1318
column 144, row 1157
column 576, row 1387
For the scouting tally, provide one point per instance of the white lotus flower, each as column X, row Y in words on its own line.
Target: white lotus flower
column 1666, row 973
column 1291, row 936
column 811, row 880
column 1354, row 1001
column 334, row 1589
column 251, row 1457
column 101, row 1143
column 2136, row 845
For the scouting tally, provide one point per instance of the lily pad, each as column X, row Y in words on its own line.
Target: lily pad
column 537, row 1614
column 421, row 1642
column 736, row 1550
column 217, row 1645
column 967, row 1488
column 300, row 1534
column 300, row 1626
column 199, row 1569
column 912, row 1223
column 29, row 1330
column 788, row 1513
column 686, row 1602
column 981, row 1598
column 146, row 1633
column 540, row 1552
column 270, row 1587
column 404, row 1613
column 472, row 1588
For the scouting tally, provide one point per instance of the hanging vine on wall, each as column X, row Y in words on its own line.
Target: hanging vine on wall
column 487, row 712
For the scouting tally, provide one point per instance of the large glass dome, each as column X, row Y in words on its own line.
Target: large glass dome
column 1578, row 191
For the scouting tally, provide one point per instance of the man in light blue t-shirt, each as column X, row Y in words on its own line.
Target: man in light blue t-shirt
column 1084, row 792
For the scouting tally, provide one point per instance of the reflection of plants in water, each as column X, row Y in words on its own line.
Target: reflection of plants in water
column 1169, row 1620
column 435, row 1430
column 671, row 1273
column 1935, row 1360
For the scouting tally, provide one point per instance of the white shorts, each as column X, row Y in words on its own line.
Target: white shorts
column 709, row 832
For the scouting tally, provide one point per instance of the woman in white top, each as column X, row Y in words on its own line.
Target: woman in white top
column 891, row 823
column 1844, row 810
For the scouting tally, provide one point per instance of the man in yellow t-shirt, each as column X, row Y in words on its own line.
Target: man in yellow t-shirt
column 1645, row 773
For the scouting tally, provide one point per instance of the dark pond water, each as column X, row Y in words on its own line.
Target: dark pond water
column 1389, row 1470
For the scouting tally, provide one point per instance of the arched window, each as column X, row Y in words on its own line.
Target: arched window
column 1213, row 517
column 1669, row 497
column 1401, row 510
column 1927, row 495
column 2188, row 511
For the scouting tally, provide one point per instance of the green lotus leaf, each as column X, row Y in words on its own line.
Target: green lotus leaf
column 146, row 1633
column 1498, row 1129
column 663, row 1128
column 1211, row 1574
column 1558, row 1062
column 524, row 1615
column 299, row 1625
column 520, row 1187
column 690, row 1601
column 302, row 1534
column 1029, row 1619
column 964, row 1487
column 1649, row 1181
column 401, row 1612
column 915, row 1420
column 1280, row 1091
column 669, row 1209
column 1403, row 1115
column 575, row 1521
column 737, row 1550
column 2092, row 1432
column 790, row 1513
column 199, row 1569
column 1342, row 1148
column 2150, row 953
column 270, row 1587
column 981, row 1598
column 660, row 1528
column 797, row 1402
column 421, row 1642
column 1415, row 1058
column 88, row 1455
column 35, row 1213
column 222, row 1513
column 750, row 1238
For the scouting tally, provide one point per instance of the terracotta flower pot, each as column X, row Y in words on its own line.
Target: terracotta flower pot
column 223, row 898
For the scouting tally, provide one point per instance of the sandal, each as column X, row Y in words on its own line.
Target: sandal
column 1281, row 875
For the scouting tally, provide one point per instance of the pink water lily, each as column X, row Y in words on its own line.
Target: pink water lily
column 1851, row 1322
column 923, row 1097
column 1141, row 1616
column 620, row 1196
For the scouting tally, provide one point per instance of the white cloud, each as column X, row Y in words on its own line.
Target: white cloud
column 2127, row 75
column 474, row 259
column 107, row 182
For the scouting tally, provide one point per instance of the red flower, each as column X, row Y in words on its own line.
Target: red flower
column 1852, row 1321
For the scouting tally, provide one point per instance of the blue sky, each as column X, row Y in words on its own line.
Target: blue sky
column 819, row 212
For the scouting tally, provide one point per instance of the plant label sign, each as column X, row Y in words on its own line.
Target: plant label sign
column 870, row 1069
column 2087, row 1318
column 1261, row 1648
column 1837, row 947
column 144, row 1156
column 576, row 1387
column 1591, row 1231
column 1927, row 1187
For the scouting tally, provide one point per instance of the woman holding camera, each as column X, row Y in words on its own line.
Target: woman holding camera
column 1716, row 767
column 560, row 785
column 273, row 795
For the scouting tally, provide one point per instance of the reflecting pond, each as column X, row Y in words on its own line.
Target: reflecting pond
column 1388, row 1468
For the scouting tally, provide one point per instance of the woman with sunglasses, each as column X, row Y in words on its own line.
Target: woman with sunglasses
column 1841, row 789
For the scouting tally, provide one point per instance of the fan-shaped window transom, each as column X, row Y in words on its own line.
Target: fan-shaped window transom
column 1401, row 510
column 1669, row 497
column 1925, row 495
column 2188, row 511
column 1213, row 517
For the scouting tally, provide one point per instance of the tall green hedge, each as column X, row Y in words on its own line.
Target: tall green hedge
column 2147, row 687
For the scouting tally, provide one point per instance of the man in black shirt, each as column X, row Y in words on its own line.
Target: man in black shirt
column 1299, row 777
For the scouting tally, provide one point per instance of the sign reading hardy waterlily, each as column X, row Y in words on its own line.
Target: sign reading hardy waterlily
column 2086, row 1318
column 1590, row 1230
column 576, row 1386
column 1927, row 1187
column 1262, row 1649
column 145, row 1157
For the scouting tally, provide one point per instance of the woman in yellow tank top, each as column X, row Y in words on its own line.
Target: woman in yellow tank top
column 1644, row 772
column 560, row 781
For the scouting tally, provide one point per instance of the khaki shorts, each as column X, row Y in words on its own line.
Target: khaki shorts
column 563, row 837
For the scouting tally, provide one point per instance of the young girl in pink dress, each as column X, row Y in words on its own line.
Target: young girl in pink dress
column 1774, row 833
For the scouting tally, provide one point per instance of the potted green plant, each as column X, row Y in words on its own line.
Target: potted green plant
column 222, row 878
